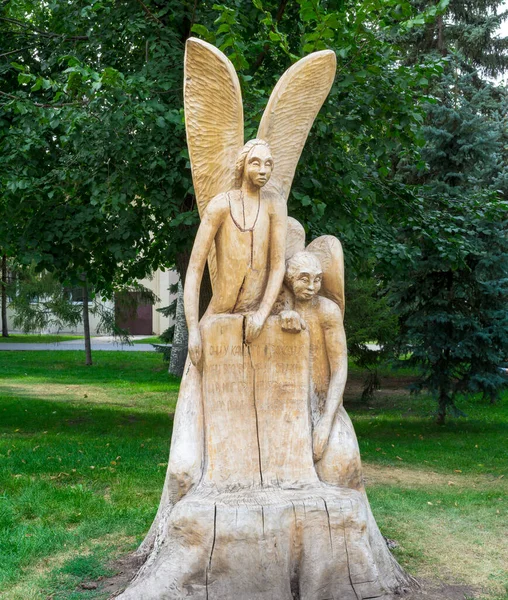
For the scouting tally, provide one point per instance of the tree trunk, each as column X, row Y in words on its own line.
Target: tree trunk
column 86, row 324
column 205, row 294
column 443, row 402
column 5, row 330
column 180, row 337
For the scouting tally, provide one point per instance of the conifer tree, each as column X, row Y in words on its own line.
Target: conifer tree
column 451, row 255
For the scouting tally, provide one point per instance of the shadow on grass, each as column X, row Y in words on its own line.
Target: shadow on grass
column 68, row 367
column 23, row 415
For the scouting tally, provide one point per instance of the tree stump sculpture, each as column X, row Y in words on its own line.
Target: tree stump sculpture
column 264, row 496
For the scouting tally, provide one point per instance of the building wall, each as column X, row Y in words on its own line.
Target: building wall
column 159, row 284
column 78, row 330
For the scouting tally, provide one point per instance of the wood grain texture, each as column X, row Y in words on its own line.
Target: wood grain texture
column 291, row 110
column 213, row 123
column 213, row 119
column 295, row 238
column 264, row 496
column 331, row 256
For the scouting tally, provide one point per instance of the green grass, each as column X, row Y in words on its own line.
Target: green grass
column 20, row 338
column 83, row 454
column 150, row 340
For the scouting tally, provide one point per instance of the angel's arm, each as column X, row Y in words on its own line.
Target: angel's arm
column 278, row 226
column 335, row 342
column 212, row 220
column 336, row 349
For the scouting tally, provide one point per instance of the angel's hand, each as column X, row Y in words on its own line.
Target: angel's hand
column 195, row 347
column 291, row 321
column 253, row 324
column 320, row 437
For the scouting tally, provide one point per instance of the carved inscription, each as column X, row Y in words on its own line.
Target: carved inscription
column 281, row 365
column 231, row 440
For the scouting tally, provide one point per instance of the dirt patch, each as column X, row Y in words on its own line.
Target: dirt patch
column 441, row 591
column 390, row 386
column 124, row 568
column 60, row 392
column 127, row 566
column 383, row 475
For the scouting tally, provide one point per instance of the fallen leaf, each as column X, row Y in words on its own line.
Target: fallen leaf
column 458, row 471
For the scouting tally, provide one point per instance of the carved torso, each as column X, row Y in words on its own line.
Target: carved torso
column 242, row 259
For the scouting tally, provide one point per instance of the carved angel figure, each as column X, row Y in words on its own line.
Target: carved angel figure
column 242, row 190
column 246, row 509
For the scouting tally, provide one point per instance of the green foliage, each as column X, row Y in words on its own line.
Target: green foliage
column 40, row 302
column 93, row 135
column 369, row 320
column 452, row 294
column 445, row 263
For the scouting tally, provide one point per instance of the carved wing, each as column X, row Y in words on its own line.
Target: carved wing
column 213, row 119
column 213, row 123
column 291, row 110
column 295, row 238
column 329, row 251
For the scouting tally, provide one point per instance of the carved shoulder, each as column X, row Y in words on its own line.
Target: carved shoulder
column 330, row 314
column 275, row 201
column 217, row 207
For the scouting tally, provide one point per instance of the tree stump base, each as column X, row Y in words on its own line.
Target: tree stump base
column 264, row 544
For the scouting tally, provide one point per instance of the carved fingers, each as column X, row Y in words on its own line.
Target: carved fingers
column 291, row 321
column 195, row 347
column 253, row 324
column 320, row 437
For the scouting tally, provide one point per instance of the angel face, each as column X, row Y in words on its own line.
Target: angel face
column 258, row 165
column 304, row 275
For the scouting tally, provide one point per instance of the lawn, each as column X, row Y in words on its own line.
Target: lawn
column 83, row 453
column 155, row 339
column 20, row 338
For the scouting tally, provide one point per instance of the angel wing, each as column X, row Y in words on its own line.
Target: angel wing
column 295, row 238
column 213, row 123
column 331, row 256
column 291, row 110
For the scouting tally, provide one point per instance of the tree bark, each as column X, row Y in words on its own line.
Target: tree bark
column 5, row 330
column 86, row 324
column 180, row 337
column 441, row 411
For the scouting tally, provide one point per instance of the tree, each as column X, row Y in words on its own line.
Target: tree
column 3, row 286
column 93, row 138
column 369, row 318
column 446, row 264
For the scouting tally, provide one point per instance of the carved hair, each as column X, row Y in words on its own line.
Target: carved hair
column 299, row 262
column 242, row 157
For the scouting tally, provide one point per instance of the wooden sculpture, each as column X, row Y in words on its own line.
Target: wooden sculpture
column 264, row 497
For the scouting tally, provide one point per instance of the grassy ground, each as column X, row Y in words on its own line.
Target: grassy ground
column 83, row 453
column 20, row 338
column 150, row 340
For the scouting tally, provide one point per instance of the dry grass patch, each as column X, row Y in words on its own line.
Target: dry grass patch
column 451, row 528
column 411, row 477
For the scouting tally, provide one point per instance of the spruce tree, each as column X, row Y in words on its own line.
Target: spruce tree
column 450, row 257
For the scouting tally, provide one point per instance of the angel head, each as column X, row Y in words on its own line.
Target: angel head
column 254, row 163
column 304, row 275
